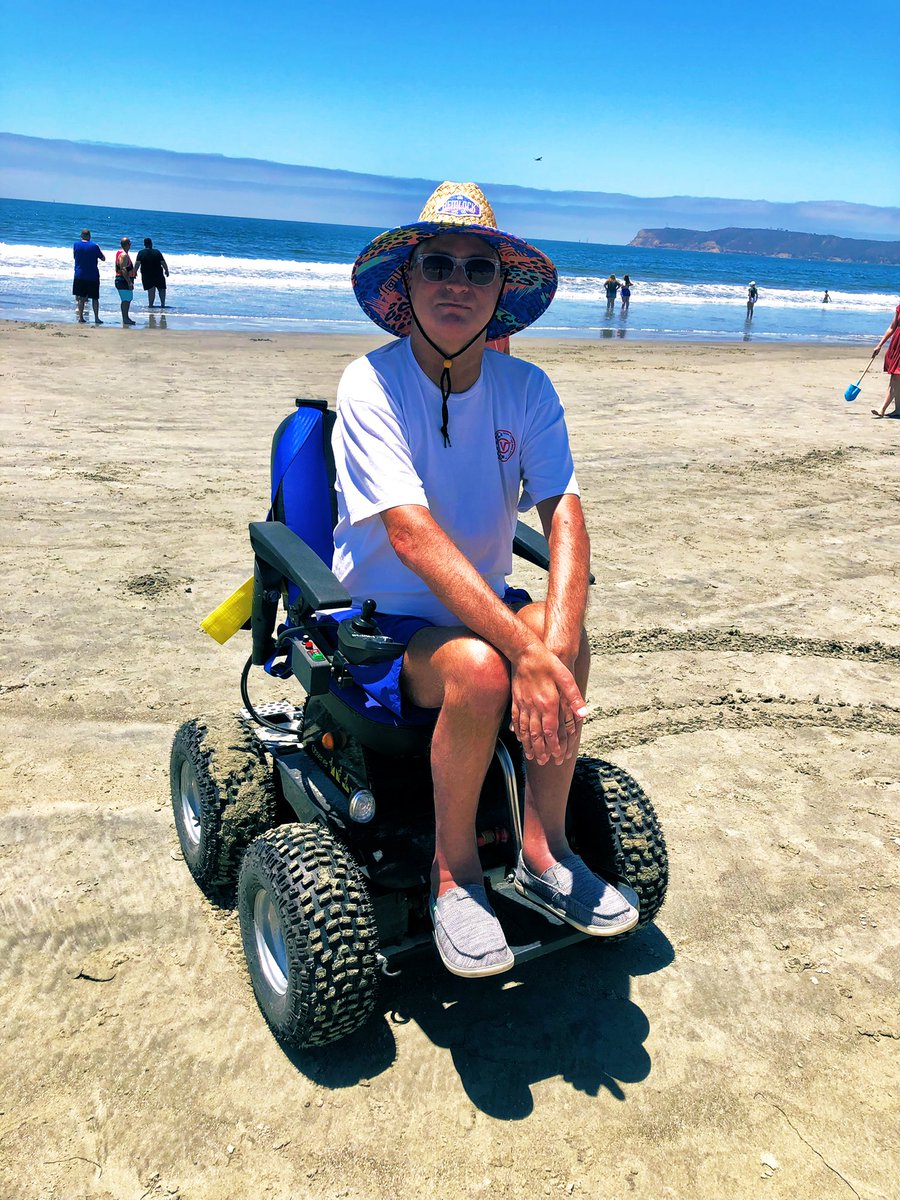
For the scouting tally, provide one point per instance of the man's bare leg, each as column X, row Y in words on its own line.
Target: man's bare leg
column 453, row 669
column 79, row 305
column 470, row 681
column 151, row 297
column 547, row 787
column 552, row 876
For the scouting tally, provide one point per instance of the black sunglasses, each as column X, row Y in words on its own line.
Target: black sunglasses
column 437, row 268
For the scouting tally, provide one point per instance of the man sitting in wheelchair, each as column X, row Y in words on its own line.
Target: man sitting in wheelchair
column 439, row 443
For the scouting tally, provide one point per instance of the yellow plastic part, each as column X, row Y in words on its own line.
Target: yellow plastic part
column 231, row 615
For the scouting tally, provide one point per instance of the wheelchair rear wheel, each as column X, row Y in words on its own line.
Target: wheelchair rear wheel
column 611, row 823
column 223, row 796
column 309, row 935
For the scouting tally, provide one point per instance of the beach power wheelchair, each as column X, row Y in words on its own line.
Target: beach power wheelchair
column 321, row 812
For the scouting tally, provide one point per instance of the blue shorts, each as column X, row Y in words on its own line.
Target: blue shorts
column 124, row 295
column 381, row 681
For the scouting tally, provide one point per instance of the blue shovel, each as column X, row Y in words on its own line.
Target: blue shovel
column 854, row 389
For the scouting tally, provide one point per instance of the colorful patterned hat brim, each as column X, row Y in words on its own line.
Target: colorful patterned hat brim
column 377, row 277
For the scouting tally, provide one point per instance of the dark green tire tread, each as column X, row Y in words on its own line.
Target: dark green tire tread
column 329, row 929
column 237, row 793
column 612, row 824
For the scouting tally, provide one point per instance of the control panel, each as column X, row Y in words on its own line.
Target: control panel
column 310, row 665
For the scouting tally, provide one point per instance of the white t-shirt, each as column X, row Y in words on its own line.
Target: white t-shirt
column 509, row 450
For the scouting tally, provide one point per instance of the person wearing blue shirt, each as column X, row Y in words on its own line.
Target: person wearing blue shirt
column 86, row 284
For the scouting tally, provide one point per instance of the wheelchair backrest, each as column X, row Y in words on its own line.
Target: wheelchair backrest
column 303, row 476
column 303, row 497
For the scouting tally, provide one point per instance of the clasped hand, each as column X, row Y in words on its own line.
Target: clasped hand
column 548, row 708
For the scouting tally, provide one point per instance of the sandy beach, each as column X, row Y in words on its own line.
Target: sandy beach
column 745, row 540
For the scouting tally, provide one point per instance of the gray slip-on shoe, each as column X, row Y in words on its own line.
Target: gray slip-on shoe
column 467, row 933
column 629, row 894
column 572, row 892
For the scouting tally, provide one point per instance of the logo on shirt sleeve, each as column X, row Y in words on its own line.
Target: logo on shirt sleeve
column 506, row 444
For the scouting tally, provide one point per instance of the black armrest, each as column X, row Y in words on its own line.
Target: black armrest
column 280, row 548
column 533, row 547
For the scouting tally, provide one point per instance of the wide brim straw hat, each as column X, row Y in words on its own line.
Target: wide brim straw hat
column 528, row 288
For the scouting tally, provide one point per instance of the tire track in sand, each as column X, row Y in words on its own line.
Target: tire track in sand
column 637, row 725
column 660, row 639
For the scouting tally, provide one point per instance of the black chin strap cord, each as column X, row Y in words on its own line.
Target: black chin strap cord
column 445, row 383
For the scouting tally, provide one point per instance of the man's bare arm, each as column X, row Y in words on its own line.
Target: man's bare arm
column 542, row 684
column 562, row 520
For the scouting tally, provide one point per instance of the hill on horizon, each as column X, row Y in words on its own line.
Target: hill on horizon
column 772, row 243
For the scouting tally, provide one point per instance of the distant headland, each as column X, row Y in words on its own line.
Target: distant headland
column 772, row 243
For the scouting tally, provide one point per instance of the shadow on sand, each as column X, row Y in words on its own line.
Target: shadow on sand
column 567, row 1014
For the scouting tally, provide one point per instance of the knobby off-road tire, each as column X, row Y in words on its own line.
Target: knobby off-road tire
column 223, row 796
column 309, row 935
column 611, row 823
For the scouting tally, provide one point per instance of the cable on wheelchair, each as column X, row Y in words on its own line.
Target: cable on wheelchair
column 290, row 631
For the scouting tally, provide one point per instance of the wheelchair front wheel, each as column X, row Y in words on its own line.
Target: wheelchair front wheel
column 309, row 935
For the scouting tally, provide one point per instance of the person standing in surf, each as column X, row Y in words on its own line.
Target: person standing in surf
column 86, row 284
column 625, row 294
column 752, row 297
column 125, row 280
column 154, row 272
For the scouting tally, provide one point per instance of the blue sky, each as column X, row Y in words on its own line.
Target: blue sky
column 781, row 101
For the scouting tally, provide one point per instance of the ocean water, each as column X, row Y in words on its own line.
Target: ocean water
column 245, row 274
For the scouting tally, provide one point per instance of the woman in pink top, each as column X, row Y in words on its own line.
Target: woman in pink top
column 125, row 279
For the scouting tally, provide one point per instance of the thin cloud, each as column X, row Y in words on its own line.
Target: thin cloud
column 136, row 177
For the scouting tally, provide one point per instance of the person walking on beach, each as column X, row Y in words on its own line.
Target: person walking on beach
column 891, row 366
column 438, row 445
column 125, row 280
column 86, row 284
column 752, row 297
column 154, row 272
column 611, row 286
column 625, row 294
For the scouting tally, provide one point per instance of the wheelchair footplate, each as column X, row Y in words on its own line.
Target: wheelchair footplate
column 530, row 931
